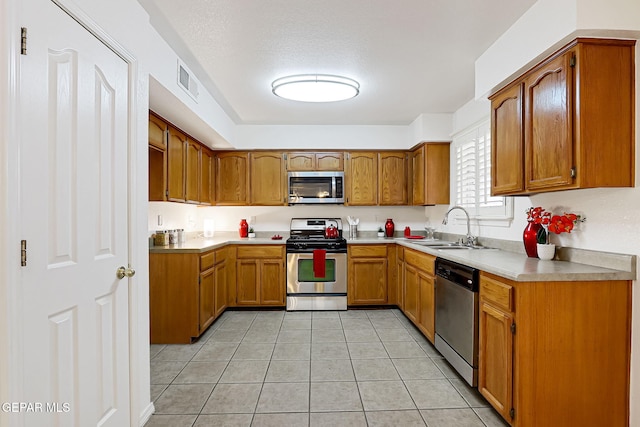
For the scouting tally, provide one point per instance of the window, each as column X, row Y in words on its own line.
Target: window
column 472, row 175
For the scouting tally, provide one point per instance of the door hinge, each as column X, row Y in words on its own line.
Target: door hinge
column 513, row 328
column 572, row 61
column 573, row 172
column 512, row 413
column 285, row 156
column 23, row 40
column 23, row 253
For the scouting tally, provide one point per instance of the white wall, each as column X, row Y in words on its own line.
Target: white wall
column 321, row 137
column 430, row 127
column 277, row 218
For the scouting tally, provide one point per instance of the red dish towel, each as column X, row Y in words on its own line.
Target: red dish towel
column 319, row 263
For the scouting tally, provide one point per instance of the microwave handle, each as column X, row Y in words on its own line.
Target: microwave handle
column 334, row 187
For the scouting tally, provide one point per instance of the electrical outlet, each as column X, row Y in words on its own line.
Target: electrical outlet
column 159, row 219
column 252, row 220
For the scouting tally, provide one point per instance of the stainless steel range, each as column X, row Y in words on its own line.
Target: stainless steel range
column 316, row 265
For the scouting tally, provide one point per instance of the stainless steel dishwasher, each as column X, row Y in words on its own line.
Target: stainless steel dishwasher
column 457, row 317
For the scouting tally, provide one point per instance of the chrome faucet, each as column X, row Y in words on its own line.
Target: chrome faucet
column 471, row 240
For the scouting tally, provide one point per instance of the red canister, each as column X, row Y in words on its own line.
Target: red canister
column 389, row 228
column 407, row 231
column 244, row 228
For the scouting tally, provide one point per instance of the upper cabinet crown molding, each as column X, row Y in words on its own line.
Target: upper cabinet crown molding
column 567, row 123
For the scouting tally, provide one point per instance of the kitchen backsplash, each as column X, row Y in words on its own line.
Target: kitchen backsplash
column 277, row 218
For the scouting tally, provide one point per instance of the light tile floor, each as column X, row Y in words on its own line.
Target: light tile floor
column 276, row 368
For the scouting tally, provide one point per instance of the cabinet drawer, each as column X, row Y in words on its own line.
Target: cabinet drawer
column 420, row 260
column 368, row 251
column 207, row 260
column 256, row 251
column 496, row 292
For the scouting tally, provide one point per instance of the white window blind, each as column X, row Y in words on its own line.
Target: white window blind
column 472, row 175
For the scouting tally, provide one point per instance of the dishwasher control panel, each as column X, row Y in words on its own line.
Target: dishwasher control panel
column 459, row 274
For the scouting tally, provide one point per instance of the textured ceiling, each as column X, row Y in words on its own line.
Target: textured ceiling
column 410, row 56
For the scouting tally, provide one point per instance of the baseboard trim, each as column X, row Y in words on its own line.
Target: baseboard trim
column 146, row 414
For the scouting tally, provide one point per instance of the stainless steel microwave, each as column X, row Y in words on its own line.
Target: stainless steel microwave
column 315, row 187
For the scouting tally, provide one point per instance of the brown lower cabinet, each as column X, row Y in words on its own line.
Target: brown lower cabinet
column 419, row 291
column 555, row 353
column 260, row 275
column 187, row 292
column 367, row 278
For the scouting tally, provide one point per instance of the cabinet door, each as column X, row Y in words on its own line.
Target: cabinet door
column 417, row 176
column 549, row 153
column 207, row 297
column 192, row 173
column 367, row 281
column 207, row 166
column 267, row 179
column 495, row 365
column 392, row 178
column 427, row 305
column 301, row 161
column 361, row 177
column 247, row 282
column 329, row 161
column 272, row 282
column 507, row 145
column 157, row 132
column 221, row 283
column 176, row 153
column 436, row 173
column 232, row 178
column 400, row 277
column 411, row 293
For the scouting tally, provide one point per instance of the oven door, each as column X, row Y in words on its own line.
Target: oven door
column 301, row 279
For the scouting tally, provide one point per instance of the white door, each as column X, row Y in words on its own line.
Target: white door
column 74, row 217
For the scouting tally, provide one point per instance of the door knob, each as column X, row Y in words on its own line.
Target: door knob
column 125, row 272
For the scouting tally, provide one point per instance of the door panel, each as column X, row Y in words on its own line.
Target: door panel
column 73, row 210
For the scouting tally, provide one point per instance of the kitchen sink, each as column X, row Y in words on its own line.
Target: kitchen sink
column 445, row 245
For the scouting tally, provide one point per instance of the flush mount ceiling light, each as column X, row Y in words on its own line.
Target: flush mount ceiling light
column 315, row 88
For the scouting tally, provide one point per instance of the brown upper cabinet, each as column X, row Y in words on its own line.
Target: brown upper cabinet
column 315, row 161
column 429, row 168
column 157, row 159
column 232, row 178
column 392, row 178
column 176, row 159
column 361, row 178
column 192, row 172
column 180, row 168
column 267, row 179
column 567, row 123
column 207, row 173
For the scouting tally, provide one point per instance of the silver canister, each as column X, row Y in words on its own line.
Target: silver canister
column 182, row 237
column 173, row 237
column 353, row 231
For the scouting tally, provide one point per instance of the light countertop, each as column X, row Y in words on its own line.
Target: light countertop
column 510, row 265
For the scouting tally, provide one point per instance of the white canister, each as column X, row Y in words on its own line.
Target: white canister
column 182, row 237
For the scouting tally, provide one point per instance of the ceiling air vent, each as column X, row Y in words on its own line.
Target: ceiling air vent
column 186, row 81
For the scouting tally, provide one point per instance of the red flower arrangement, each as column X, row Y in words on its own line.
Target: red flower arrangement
column 552, row 223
